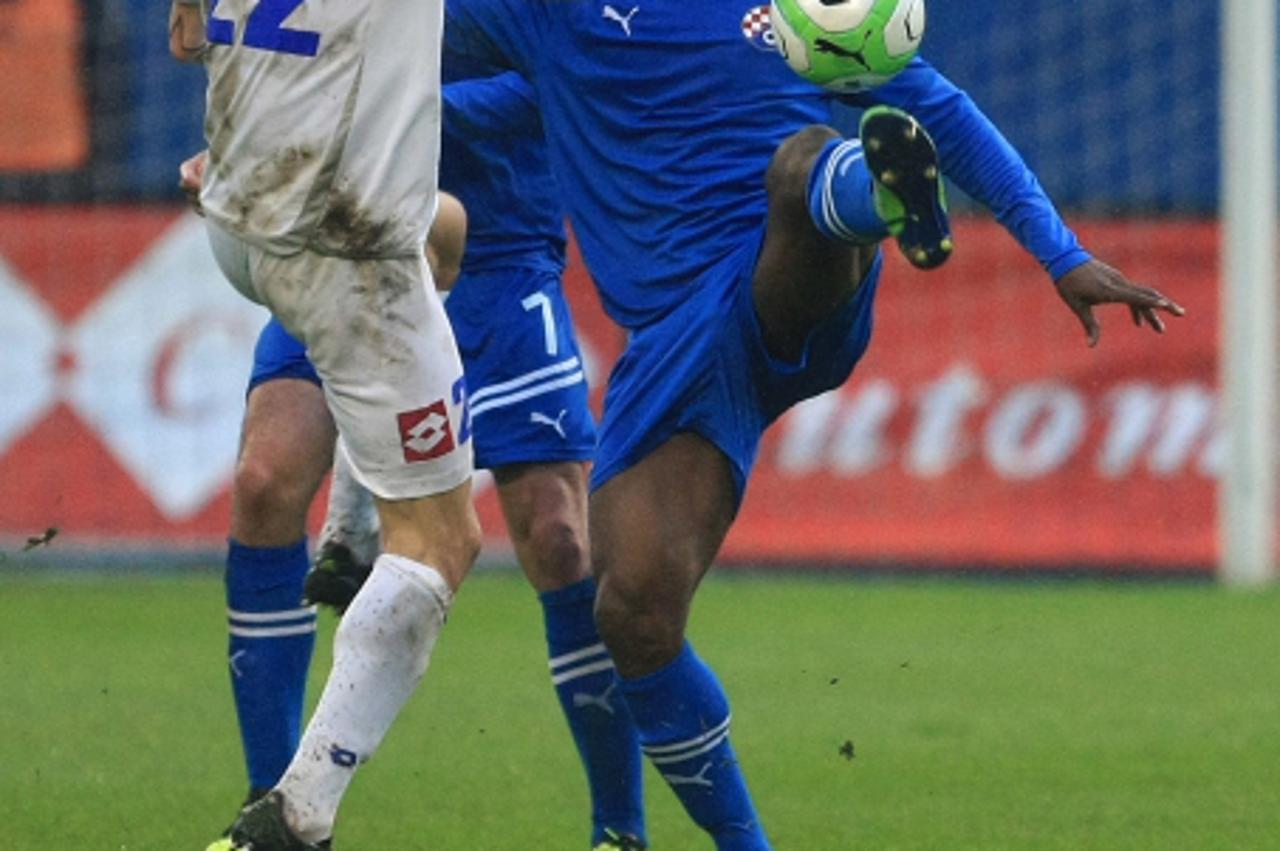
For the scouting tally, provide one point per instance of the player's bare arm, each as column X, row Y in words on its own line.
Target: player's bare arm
column 1004, row 184
column 187, row 41
column 1095, row 283
column 446, row 241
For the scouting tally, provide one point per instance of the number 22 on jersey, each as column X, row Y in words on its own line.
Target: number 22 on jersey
column 264, row 29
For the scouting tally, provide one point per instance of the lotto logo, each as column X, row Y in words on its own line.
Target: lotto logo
column 757, row 28
column 426, row 433
column 342, row 757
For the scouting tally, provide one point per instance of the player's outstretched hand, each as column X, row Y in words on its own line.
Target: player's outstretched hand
column 1095, row 283
column 191, row 178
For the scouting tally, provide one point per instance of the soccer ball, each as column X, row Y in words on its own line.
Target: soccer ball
column 848, row 45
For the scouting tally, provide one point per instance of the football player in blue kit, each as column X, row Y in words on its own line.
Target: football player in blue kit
column 532, row 427
column 735, row 236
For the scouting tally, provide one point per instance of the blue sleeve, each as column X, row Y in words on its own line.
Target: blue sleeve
column 488, row 32
column 492, row 107
column 984, row 164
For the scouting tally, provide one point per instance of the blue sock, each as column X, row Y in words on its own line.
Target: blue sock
column 682, row 714
column 583, row 675
column 271, row 637
column 841, row 195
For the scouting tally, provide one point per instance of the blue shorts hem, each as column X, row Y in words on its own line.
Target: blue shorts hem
column 602, row 474
column 300, row 371
column 490, row 461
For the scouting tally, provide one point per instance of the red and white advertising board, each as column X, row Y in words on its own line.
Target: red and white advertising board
column 979, row 430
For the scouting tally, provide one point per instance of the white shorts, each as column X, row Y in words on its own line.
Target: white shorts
column 378, row 336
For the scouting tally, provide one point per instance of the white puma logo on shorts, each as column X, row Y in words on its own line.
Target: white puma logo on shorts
column 613, row 14
column 539, row 418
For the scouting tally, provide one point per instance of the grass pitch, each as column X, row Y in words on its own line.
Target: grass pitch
column 868, row 714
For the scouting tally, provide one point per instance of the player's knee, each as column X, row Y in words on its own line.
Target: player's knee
column 262, row 489
column 641, row 622
column 640, row 640
column 557, row 552
column 788, row 173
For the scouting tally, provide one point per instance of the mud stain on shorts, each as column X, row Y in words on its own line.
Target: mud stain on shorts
column 347, row 228
column 222, row 93
column 379, row 285
column 270, row 183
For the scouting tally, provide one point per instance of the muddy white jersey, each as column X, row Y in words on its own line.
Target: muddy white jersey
column 323, row 123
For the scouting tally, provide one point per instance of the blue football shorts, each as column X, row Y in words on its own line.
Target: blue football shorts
column 279, row 354
column 526, row 381
column 703, row 368
column 527, row 386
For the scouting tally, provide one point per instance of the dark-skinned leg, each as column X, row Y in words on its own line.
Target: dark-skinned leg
column 802, row 277
column 286, row 449
column 656, row 528
column 545, row 506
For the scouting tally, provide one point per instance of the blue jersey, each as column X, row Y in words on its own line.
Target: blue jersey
column 659, row 128
column 661, row 124
column 494, row 160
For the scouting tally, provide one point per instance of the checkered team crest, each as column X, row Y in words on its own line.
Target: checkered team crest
column 757, row 28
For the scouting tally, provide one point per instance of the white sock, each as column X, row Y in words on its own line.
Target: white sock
column 351, row 517
column 380, row 652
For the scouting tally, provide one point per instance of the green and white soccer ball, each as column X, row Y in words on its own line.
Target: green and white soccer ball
column 848, row 45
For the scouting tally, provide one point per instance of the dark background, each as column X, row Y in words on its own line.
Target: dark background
column 1143, row 74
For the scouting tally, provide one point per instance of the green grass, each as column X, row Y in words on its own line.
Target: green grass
column 983, row 715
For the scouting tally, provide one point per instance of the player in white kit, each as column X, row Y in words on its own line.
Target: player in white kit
column 323, row 129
